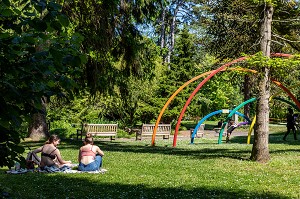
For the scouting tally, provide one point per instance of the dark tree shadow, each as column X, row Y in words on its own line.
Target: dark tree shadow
column 81, row 186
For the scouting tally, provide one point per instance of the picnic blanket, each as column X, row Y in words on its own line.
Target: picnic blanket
column 53, row 169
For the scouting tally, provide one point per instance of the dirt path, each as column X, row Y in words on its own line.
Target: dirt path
column 212, row 134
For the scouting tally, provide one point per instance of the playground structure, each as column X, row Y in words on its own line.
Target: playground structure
column 212, row 114
column 238, row 113
column 210, row 75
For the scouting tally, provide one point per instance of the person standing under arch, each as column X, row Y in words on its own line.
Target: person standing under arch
column 290, row 124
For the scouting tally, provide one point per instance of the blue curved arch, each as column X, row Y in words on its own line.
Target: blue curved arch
column 212, row 114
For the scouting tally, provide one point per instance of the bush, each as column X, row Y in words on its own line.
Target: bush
column 123, row 134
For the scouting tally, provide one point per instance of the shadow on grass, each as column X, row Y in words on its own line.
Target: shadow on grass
column 35, row 185
column 274, row 138
column 138, row 147
column 203, row 152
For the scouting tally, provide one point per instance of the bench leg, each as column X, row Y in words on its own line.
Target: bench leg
column 165, row 137
column 112, row 138
column 137, row 135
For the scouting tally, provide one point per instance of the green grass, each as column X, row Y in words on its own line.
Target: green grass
column 138, row 170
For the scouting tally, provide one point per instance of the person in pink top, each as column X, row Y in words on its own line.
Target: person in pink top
column 90, row 155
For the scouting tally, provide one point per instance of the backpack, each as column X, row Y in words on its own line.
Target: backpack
column 32, row 160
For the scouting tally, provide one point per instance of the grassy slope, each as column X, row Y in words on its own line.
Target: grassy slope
column 202, row 170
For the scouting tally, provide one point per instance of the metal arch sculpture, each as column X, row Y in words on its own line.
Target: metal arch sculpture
column 212, row 114
column 212, row 73
column 253, row 99
column 203, row 82
column 230, row 115
column 253, row 121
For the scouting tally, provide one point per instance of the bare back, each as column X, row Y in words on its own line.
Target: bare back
column 48, row 156
column 88, row 152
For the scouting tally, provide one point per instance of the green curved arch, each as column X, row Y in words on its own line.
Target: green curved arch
column 230, row 115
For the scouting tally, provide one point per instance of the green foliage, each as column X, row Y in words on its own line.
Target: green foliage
column 112, row 40
column 123, row 134
column 37, row 59
column 279, row 67
column 182, row 68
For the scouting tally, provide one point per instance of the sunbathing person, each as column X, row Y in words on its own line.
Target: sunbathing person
column 90, row 155
column 50, row 154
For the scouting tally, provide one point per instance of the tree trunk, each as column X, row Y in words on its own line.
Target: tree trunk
column 172, row 39
column 247, row 94
column 38, row 128
column 260, row 149
column 162, row 29
column 162, row 39
column 172, row 32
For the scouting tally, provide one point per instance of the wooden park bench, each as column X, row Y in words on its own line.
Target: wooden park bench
column 103, row 130
column 200, row 131
column 217, row 130
column 147, row 130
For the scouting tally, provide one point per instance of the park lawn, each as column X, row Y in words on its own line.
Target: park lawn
column 138, row 170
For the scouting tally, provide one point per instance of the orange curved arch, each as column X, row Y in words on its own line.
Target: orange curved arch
column 170, row 99
column 173, row 96
column 223, row 67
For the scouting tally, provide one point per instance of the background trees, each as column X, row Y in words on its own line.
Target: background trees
column 39, row 59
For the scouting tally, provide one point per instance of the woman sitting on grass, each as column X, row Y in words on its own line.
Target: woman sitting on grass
column 50, row 154
column 90, row 155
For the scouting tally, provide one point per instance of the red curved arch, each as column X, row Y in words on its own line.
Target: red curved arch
column 196, row 90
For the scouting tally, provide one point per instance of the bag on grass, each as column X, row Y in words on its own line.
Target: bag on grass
column 31, row 160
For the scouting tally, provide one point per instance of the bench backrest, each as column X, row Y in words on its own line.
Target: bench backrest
column 201, row 128
column 162, row 128
column 98, row 128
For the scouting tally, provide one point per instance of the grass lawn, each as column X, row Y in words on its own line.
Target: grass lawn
column 137, row 170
